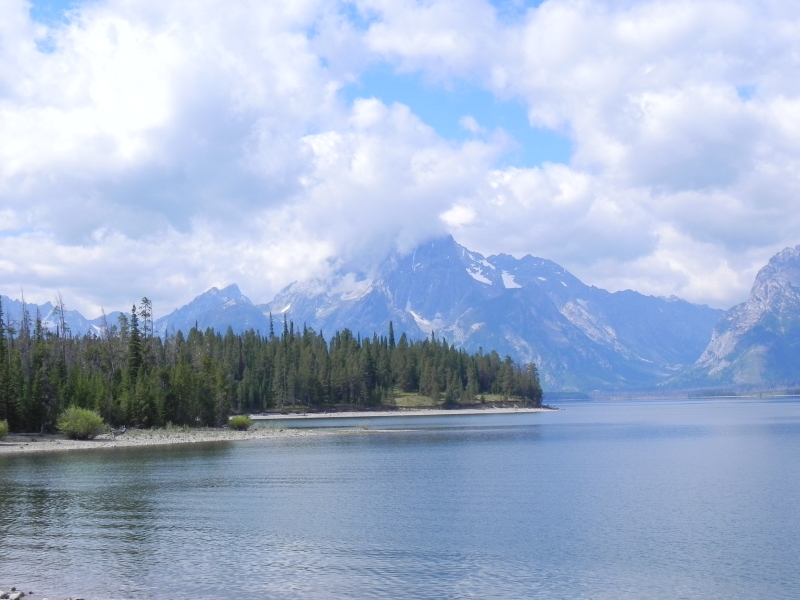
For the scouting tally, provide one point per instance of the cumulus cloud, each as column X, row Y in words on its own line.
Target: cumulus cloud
column 161, row 148
column 672, row 108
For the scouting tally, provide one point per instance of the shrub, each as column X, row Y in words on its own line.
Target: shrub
column 3, row 429
column 240, row 422
column 80, row 424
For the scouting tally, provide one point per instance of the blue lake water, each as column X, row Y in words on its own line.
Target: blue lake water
column 629, row 499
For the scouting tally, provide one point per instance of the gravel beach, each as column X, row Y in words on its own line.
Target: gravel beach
column 31, row 443
column 27, row 443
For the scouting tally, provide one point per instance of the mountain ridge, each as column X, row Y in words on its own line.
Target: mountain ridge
column 581, row 337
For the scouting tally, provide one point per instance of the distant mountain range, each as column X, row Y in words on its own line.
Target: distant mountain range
column 532, row 309
column 75, row 321
column 581, row 337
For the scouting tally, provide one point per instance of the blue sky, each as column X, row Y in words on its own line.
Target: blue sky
column 51, row 11
column 443, row 108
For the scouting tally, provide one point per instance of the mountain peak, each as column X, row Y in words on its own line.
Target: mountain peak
column 217, row 309
column 782, row 269
column 755, row 342
column 230, row 292
column 789, row 254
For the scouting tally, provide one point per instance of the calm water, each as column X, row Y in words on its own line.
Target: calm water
column 601, row 500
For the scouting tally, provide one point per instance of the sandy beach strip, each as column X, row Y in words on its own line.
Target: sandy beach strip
column 400, row 412
column 25, row 444
column 16, row 444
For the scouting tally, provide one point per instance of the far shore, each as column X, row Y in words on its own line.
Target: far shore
column 28, row 443
column 400, row 412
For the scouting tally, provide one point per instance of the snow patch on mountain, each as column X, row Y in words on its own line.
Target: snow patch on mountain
column 508, row 281
column 477, row 276
column 358, row 293
column 425, row 324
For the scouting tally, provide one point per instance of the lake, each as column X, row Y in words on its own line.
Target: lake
column 605, row 499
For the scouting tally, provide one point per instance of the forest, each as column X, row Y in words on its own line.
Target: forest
column 130, row 375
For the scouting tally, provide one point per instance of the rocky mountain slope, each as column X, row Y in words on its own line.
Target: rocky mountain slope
column 757, row 343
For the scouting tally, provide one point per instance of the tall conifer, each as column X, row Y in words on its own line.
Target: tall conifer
column 134, row 347
column 6, row 400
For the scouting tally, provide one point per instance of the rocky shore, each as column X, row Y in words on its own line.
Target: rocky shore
column 13, row 594
column 31, row 443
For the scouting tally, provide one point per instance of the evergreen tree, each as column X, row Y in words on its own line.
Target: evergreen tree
column 132, row 377
column 38, row 405
column 7, row 400
column 134, row 348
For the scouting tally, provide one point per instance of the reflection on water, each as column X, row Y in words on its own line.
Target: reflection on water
column 601, row 500
column 395, row 422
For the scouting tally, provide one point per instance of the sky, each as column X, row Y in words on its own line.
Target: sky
column 152, row 148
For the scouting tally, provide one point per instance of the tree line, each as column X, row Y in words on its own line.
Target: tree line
column 130, row 375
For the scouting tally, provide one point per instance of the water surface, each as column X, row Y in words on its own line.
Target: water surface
column 683, row 499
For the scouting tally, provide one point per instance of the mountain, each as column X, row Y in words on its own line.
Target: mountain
column 218, row 309
column 76, row 323
column 215, row 308
column 581, row 337
column 757, row 343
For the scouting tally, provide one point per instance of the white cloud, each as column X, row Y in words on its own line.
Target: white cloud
column 459, row 216
column 469, row 123
column 384, row 182
column 160, row 148
column 648, row 92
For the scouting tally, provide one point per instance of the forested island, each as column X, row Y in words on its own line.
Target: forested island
column 129, row 375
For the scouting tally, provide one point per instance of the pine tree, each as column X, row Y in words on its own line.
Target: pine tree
column 7, row 401
column 38, row 408
column 146, row 333
column 134, row 348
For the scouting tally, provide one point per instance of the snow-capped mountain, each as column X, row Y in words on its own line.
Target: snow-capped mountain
column 76, row 323
column 581, row 337
column 757, row 342
column 218, row 309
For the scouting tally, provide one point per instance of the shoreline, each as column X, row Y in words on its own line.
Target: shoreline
column 16, row 444
column 400, row 412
